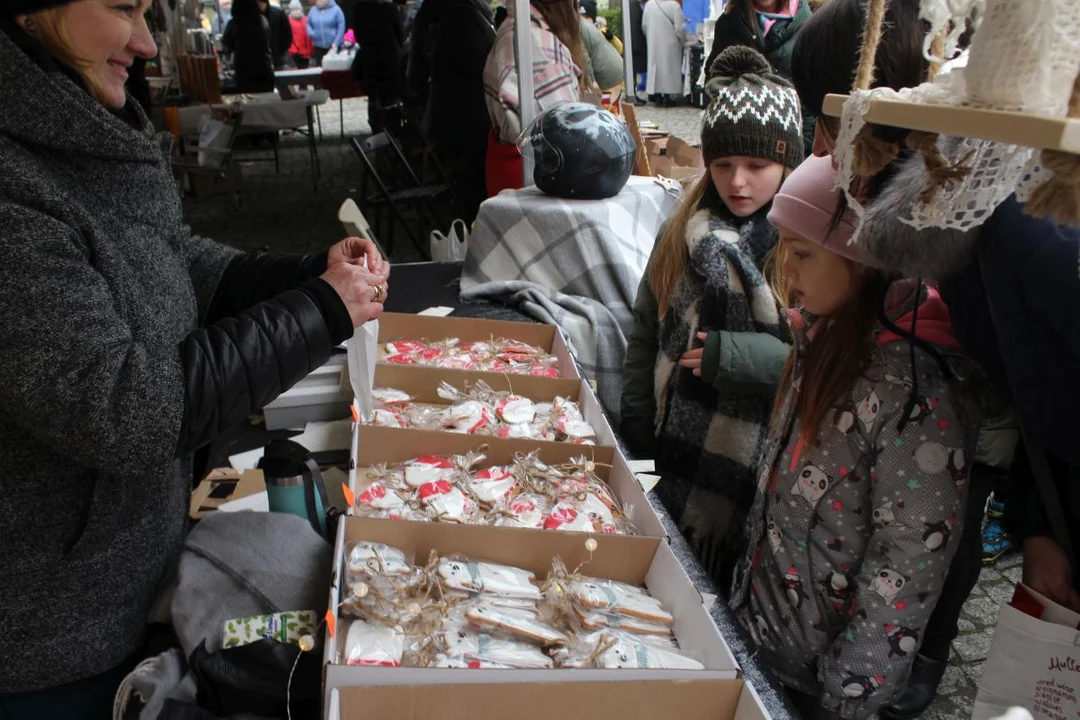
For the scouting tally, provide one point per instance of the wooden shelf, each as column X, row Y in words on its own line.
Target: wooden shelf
column 1014, row 128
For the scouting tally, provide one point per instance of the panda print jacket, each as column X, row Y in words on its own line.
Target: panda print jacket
column 850, row 542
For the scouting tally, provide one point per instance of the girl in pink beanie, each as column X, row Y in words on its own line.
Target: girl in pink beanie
column 859, row 491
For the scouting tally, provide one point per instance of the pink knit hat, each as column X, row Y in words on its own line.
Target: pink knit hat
column 806, row 204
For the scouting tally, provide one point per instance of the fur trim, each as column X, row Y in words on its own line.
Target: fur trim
column 933, row 253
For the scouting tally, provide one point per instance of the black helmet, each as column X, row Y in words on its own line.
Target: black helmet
column 581, row 152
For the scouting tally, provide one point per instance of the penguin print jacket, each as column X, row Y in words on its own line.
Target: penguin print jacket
column 850, row 542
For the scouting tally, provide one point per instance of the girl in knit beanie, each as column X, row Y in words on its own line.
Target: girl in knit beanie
column 705, row 322
column 859, row 496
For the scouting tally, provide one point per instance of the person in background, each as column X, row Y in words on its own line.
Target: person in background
column 770, row 27
column 587, row 9
column 280, row 33
column 247, row 37
column 450, row 44
column 665, row 36
column 301, row 48
column 379, row 29
column 602, row 26
column 861, row 490
column 222, row 18
column 703, row 356
column 326, row 25
column 127, row 343
column 639, row 47
column 558, row 63
column 603, row 65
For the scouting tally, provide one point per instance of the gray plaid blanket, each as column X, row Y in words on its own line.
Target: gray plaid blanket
column 571, row 263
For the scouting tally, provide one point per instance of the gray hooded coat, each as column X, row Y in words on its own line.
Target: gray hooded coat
column 110, row 372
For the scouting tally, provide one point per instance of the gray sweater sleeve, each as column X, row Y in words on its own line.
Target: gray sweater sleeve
column 206, row 261
column 79, row 381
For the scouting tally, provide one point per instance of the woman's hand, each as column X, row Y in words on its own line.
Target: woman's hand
column 1047, row 571
column 691, row 359
column 354, row 250
column 362, row 291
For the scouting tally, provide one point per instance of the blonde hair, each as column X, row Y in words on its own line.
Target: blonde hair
column 50, row 29
column 672, row 255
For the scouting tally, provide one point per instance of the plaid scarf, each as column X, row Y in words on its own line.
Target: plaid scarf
column 710, row 441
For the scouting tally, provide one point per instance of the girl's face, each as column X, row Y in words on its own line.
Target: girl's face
column 823, row 282
column 106, row 36
column 746, row 184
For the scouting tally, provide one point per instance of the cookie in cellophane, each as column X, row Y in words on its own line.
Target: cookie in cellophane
column 463, row 574
column 616, row 649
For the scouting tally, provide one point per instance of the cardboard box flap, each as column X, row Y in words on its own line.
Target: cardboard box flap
column 423, row 383
column 403, row 326
column 644, row 700
column 392, row 445
column 627, row 560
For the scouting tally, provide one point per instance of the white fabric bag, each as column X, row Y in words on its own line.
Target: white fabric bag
column 452, row 247
column 1033, row 663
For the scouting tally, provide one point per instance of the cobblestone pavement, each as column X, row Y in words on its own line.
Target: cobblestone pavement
column 282, row 212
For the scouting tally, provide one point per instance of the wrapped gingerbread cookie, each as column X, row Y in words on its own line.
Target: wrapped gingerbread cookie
column 372, row 644
column 615, row 649
column 470, row 576
column 521, row 622
column 469, row 646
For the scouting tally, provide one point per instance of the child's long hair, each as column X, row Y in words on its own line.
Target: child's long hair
column 839, row 352
column 669, row 261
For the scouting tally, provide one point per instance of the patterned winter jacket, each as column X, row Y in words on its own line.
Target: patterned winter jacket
column 850, row 542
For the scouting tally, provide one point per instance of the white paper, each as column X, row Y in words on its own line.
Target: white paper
column 648, row 482
column 437, row 311
column 641, row 466
column 246, row 460
column 259, row 502
column 363, row 352
column 326, row 435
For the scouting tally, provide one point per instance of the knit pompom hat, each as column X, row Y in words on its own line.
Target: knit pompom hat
column 753, row 111
column 806, row 205
column 14, row 8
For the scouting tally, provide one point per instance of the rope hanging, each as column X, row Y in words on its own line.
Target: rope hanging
column 871, row 154
column 1059, row 196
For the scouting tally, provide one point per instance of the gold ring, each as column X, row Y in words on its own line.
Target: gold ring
column 379, row 292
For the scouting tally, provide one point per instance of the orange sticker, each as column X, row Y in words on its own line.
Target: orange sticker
column 350, row 497
column 331, row 623
column 355, row 414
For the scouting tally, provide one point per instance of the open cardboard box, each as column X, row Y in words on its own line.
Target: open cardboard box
column 422, row 383
column 645, row 561
column 378, row 445
column 643, row 700
column 322, row 395
column 402, row 326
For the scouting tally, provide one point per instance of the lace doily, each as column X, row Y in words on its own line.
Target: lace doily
column 1025, row 56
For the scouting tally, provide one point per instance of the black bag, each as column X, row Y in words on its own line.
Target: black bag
column 253, row 679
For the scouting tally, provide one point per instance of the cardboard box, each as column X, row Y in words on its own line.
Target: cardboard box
column 644, row 700
column 422, row 383
column 647, row 561
column 323, row 395
column 378, row 445
column 221, row 486
column 683, row 153
column 401, row 326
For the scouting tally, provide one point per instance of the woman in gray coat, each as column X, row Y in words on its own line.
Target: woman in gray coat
column 126, row 343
